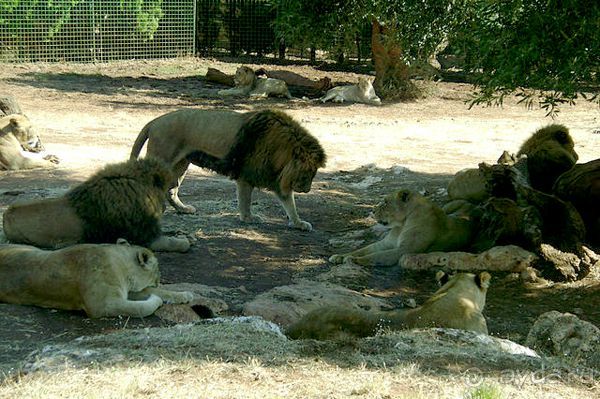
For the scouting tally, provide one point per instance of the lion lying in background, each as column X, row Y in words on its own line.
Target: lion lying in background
column 123, row 200
column 264, row 149
column 363, row 92
column 248, row 84
column 16, row 136
column 417, row 226
column 459, row 304
column 101, row 279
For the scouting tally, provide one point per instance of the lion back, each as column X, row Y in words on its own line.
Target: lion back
column 124, row 200
column 265, row 143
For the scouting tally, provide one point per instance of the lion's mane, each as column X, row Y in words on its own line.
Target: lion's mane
column 265, row 143
column 124, row 200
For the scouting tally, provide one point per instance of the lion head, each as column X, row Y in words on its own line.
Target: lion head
column 141, row 268
column 244, row 77
column 468, row 286
column 20, row 127
column 393, row 209
column 297, row 176
column 457, row 304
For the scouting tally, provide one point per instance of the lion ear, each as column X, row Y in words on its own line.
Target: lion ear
column 122, row 241
column 143, row 257
column 442, row 277
column 15, row 122
column 403, row 195
column 483, row 280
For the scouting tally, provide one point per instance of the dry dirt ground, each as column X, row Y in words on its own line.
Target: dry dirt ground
column 89, row 115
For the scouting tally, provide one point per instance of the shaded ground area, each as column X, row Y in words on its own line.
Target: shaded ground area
column 90, row 117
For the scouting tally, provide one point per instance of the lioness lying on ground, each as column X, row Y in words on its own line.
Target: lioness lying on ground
column 264, row 149
column 16, row 136
column 101, row 279
column 363, row 92
column 417, row 226
column 457, row 304
column 248, row 84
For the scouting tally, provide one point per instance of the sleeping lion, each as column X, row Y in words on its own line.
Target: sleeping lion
column 264, row 149
column 459, row 304
column 102, row 279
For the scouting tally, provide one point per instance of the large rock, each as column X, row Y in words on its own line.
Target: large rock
column 286, row 304
column 565, row 335
column 208, row 301
column 347, row 274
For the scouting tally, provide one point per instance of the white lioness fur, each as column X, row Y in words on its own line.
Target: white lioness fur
column 16, row 135
column 102, row 279
column 248, row 84
column 363, row 92
column 459, row 304
column 417, row 226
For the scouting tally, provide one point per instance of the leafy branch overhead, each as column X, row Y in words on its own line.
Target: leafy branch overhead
column 545, row 51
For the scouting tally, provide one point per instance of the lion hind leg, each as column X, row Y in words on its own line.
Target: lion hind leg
column 244, row 198
column 125, row 307
column 289, row 205
column 170, row 244
column 167, row 296
column 179, row 170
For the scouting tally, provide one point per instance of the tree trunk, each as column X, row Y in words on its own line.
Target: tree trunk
column 391, row 72
column 214, row 75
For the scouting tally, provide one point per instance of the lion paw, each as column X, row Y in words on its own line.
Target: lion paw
column 337, row 259
column 186, row 209
column 179, row 297
column 302, row 225
column 52, row 158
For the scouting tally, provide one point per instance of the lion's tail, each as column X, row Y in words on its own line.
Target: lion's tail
column 139, row 142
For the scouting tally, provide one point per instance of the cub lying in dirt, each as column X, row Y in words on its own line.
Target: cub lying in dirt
column 101, row 279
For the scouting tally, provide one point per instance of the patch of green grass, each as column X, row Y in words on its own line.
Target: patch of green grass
column 484, row 392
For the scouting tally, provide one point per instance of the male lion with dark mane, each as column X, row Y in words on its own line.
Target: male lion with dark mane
column 264, row 149
column 124, row 200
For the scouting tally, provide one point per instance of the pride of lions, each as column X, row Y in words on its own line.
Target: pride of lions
column 95, row 242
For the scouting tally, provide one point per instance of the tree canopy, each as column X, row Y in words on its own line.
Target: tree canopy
column 542, row 50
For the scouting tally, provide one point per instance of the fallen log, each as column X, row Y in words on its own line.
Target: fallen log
column 507, row 258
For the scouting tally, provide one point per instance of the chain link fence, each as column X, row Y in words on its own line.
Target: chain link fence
column 106, row 30
column 95, row 30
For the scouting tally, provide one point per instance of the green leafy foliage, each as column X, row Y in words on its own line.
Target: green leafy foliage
column 546, row 51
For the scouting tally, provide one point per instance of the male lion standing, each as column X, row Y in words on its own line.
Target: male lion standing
column 264, row 149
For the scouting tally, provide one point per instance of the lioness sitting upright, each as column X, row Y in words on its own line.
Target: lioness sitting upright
column 264, row 149
column 418, row 226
